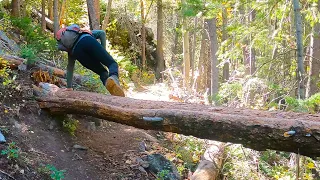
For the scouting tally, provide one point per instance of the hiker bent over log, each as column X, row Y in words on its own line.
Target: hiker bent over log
column 82, row 45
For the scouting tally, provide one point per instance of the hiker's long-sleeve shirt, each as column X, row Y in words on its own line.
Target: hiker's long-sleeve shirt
column 98, row 34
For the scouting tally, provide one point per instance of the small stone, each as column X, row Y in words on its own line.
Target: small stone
column 128, row 161
column 22, row 171
column 91, row 126
column 142, row 146
column 52, row 125
column 76, row 146
column 22, row 67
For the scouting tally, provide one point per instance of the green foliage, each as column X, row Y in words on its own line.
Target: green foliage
column 75, row 11
column 118, row 36
column 162, row 174
column 51, row 170
column 37, row 42
column 310, row 105
column 12, row 151
column 5, row 71
column 70, row 125
column 92, row 81
column 55, row 173
column 143, row 77
column 94, row 84
column 28, row 53
column 230, row 92
column 189, row 150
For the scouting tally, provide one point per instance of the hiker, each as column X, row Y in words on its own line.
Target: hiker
column 82, row 45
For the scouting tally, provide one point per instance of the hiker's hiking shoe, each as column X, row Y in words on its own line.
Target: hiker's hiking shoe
column 113, row 86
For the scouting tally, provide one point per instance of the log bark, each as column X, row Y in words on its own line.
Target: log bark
column 259, row 130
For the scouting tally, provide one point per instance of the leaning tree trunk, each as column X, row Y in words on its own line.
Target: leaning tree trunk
column 107, row 16
column 49, row 24
column 211, row 162
column 214, row 60
column 314, row 71
column 259, row 130
column 160, row 59
column 300, row 74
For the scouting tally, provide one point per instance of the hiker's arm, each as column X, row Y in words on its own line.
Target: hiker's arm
column 100, row 34
column 70, row 68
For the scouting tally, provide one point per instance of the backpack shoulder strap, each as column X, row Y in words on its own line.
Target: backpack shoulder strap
column 59, row 33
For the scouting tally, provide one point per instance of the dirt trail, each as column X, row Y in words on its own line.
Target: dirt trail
column 111, row 148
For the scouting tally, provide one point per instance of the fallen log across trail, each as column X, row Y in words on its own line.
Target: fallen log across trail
column 259, row 130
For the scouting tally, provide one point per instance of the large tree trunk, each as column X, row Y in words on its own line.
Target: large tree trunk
column 55, row 17
column 201, row 62
column 193, row 46
column 143, row 35
column 314, row 70
column 186, row 54
column 214, row 60
column 15, row 8
column 107, row 16
column 300, row 72
column 160, row 59
column 252, row 54
column 43, row 15
column 259, row 130
column 50, row 9
column 97, row 11
column 175, row 42
column 226, row 73
column 94, row 23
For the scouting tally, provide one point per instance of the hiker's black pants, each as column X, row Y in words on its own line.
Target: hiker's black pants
column 89, row 52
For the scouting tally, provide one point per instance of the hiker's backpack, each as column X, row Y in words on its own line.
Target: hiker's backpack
column 69, row 35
